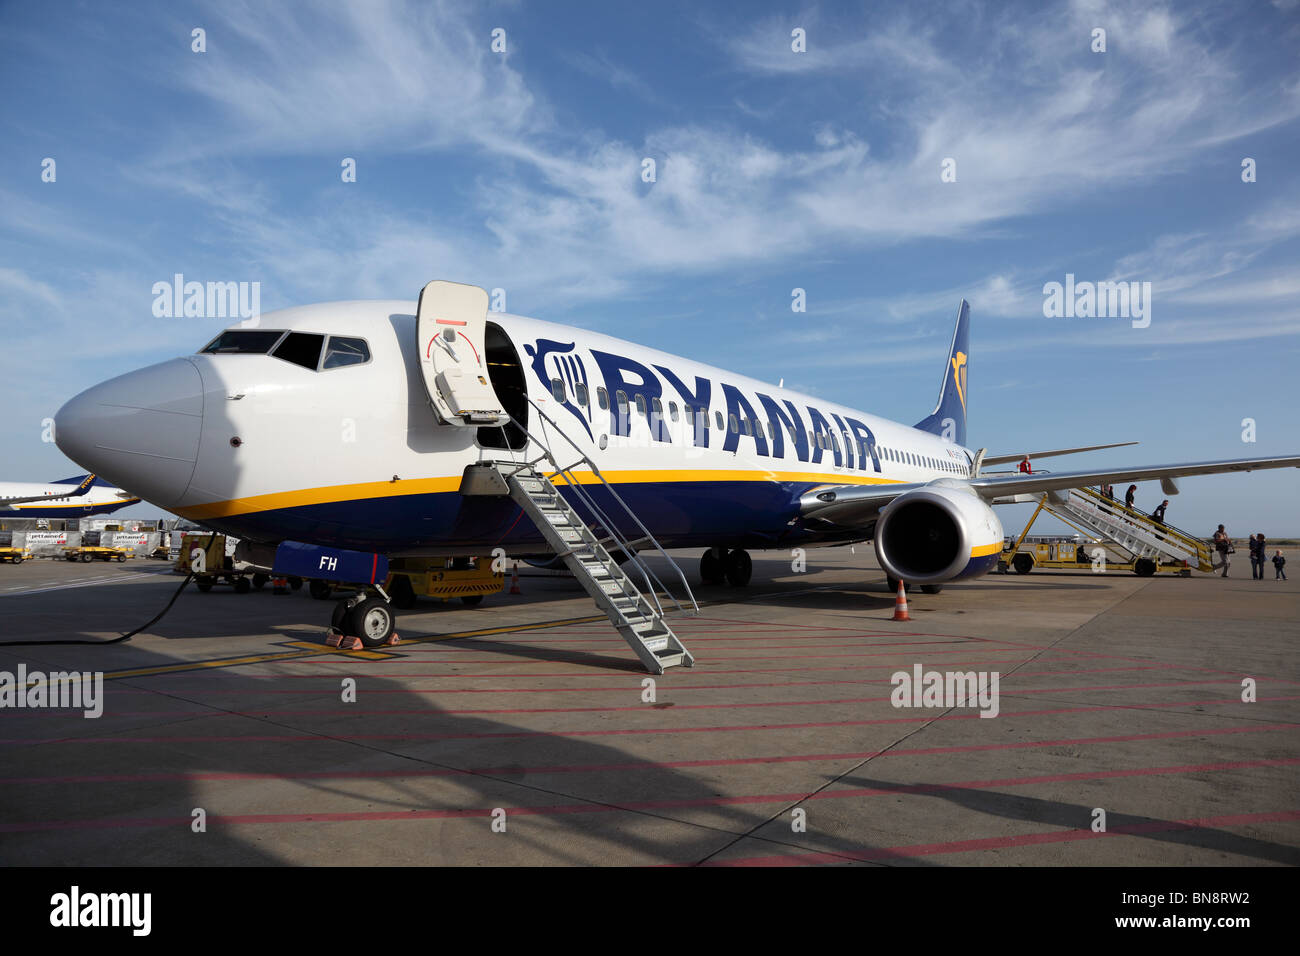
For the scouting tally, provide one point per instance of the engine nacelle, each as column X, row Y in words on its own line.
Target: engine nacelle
column 937, row 533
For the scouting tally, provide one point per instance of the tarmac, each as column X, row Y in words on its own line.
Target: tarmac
column 523, row 731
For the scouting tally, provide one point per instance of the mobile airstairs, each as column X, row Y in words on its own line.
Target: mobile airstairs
column 596, row 560
column 451, row 321
column 1150, row 542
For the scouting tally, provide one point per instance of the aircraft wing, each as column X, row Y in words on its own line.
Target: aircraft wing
column 1005, row 459
column 78, row 492
column 1002, row 485
column 857, row 505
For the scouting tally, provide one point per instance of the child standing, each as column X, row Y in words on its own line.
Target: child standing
column 1279, row 563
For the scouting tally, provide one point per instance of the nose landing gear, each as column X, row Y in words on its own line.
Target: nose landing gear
column 365, row 618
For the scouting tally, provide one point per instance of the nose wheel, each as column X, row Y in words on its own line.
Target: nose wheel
column 371, row 620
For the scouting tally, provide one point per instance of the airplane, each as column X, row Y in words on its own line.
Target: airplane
column 90, row 496
column 355, row 426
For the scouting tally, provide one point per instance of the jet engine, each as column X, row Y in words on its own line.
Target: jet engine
column 937, row 533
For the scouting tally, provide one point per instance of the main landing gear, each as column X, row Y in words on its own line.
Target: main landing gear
column 925, row 588
column 734, row 567
column 368, row 617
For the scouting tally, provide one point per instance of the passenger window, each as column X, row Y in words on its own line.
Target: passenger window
column 748, row 423
column 672, row 410
column 793, row 434
column 557, row 389
column 602, row 396
column 640, row 403
column 735, row 427
column 300, row 348
column 771, row 432
column 717, row 417
column 658, row 408
column 580, row 391
column 341, row 352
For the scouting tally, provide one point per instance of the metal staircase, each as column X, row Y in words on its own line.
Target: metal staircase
column 1139, row 534
column 636, row 613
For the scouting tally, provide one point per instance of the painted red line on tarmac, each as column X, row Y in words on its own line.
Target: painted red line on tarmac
column 1001, row 843
column 569, row 658
column 614, row 732
column 421, row 675
column 640, row 805
column 619, row 688
column 640, row 765
column 643, row 708
column 635, row 688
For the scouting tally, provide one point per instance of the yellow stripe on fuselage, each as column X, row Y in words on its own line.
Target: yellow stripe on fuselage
column 334, row 494
column 985, row 549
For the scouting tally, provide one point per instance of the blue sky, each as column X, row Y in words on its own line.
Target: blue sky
column 775, row 170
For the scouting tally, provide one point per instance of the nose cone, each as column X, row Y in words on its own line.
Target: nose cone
column 139, row 430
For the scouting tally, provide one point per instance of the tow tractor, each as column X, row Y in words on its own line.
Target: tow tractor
column 90, row 552
column 216, row 565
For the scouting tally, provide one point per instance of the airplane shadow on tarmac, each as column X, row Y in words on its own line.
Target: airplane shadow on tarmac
column 1015, row 806
column 82, row 793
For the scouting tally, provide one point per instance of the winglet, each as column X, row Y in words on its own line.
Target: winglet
column 948, row 419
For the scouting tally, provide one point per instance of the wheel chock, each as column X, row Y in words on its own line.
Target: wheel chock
column 393, row 640
column 343, row 642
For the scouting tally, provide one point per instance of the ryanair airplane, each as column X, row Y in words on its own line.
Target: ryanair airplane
column 351, row 425
column 87, row 496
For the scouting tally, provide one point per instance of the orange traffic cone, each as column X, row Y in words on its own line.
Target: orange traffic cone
column 514, row 580
column 900, row 605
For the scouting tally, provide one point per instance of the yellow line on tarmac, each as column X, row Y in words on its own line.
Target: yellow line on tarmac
column 316, row 650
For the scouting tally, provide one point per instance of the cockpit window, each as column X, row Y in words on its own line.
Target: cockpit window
column 300, row 348
column 344, row 351
column 243, row 341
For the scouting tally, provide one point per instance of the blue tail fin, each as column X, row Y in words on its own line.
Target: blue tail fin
column 949, row 417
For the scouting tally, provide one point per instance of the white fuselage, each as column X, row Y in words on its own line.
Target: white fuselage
column 354, row 456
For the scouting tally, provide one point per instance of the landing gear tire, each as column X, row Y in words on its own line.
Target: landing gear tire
column 402, row 593
column 260, row 580
column 471, row 599
column 373, row 621
column 1023, row 563
column 739, row 567
column 320, row 590
column 711, row 568
column 892, row 582
column 931, row 588
column 1144, row 567
column 243, row 585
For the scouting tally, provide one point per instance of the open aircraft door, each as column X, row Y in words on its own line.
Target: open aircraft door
column 450, row 323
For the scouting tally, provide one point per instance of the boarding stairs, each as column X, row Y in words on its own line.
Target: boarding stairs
column 1140, row 535
column 535, row 485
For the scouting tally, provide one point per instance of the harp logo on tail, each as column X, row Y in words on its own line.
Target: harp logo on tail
column 959, row 376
